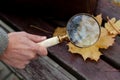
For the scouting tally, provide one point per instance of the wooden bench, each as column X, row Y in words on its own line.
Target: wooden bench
column 60, row 64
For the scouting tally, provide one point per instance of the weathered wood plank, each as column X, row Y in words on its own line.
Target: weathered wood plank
column 41, row 69
column 112, row 55
column 45, row 69
column 89, row 70
column 107, row 8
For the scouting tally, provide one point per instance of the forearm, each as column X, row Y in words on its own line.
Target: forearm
column 3, row 40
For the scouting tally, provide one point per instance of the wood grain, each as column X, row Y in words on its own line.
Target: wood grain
column 73, row 63
column 107, row 8
column 45, row 69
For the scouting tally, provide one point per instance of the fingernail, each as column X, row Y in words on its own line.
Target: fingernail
column 44, row 37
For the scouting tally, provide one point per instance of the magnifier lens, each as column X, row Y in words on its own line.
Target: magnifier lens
column 83, row 30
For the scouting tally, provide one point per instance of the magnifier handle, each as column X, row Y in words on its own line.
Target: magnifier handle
column 50, row 42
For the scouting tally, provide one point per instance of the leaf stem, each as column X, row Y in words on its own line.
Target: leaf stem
column 113, row 26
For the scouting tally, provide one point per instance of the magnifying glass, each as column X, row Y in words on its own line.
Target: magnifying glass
column 83, row 30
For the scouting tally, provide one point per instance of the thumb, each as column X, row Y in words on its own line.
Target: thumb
column 35, row 38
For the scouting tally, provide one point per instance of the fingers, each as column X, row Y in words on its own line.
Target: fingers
column 21, row 65
column 17, row 63
column 32, row 51
column 41, row 51
column 35, row 38
column 23, row 48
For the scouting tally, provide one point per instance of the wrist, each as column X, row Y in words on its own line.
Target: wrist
column 3, row 41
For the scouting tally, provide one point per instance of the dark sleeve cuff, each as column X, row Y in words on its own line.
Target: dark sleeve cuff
column 3, row 40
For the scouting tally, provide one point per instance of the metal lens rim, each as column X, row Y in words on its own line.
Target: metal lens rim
column 81, row 14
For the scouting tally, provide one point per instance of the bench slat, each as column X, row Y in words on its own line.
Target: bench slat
column 85, row 69
column 45, row 69
column 112, row 54
column 107, row 8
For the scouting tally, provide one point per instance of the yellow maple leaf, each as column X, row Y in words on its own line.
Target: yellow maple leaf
column 99, row 18
column 106, row 39
column 113, row 26
column 91, row 52
column 59, row 31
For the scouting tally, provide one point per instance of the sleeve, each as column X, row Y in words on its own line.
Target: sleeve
column 3, row 40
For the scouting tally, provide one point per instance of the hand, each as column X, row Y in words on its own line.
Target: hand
column 22, row 48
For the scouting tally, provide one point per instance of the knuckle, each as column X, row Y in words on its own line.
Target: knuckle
column 23, row 32
column 27, row 62
column 32, row 56
column 20, row 67
column 43, row 51
column 34, row 48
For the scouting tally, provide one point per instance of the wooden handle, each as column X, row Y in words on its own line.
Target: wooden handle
column 50, row 42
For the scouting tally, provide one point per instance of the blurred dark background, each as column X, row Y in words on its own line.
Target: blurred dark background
column 62, row 9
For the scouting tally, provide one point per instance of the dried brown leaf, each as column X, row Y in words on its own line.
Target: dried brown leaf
column 106, row 39
column 99, row 18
